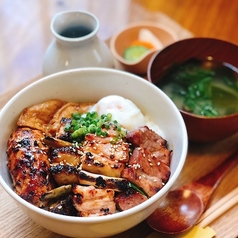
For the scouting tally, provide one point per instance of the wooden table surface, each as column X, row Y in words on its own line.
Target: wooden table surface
column 25, row 36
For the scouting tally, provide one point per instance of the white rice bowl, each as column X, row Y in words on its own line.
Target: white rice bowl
column 90, row 85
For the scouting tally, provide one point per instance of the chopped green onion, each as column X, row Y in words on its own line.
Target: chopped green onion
column 81, row 125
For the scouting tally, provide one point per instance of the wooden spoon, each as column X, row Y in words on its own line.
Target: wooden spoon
column 182, row 208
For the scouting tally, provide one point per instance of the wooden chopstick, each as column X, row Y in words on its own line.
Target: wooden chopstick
column 219, row 208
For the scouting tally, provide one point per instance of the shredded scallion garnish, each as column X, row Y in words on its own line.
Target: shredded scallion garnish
column 92, row 123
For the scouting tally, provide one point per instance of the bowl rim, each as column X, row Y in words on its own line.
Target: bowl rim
column 133, row 25
column 115, row 216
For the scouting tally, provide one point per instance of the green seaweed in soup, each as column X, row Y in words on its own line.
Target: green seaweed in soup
column 205, row 87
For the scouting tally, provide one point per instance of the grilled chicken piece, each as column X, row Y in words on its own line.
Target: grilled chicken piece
column 64, row 164
column 116, row 150
column 64, row 174
column 70, row 155
column 128, row 199
column 149, row 163
column 29, row 165
column 63, row 115
column 90, row 201
column 101, row 156
column 100, row 165
column 38, row 116
column 100, row 181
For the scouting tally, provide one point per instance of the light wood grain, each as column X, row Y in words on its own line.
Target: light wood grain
column 204, row 18
column 25, row 36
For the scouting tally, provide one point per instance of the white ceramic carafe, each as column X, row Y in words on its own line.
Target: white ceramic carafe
column 83, row 49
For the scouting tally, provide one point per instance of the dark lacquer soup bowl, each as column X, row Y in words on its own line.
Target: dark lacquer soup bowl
column 201, row 76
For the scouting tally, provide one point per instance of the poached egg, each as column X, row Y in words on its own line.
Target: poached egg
column 127, row 114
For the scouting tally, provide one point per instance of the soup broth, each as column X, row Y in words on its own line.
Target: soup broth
column 202, row 87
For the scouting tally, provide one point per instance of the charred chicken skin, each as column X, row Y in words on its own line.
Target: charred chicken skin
column 29, row 165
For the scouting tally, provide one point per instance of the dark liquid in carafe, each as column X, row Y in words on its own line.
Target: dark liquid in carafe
column 75, row 31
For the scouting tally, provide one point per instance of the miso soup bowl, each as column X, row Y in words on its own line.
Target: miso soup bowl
column 90, row 85
column 200, row 128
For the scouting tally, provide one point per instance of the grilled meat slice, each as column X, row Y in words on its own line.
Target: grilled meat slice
column 29, row 165
column 70, row 155
column 100, row 165
column 109, row 147
column 38, row 116
column 146, row 171
column 128, row 199
column 101, row 156
column 64, row 164
column 148, row 167
column 90, row 201
column 154, row 143
column 64, row 174
column 62, row 116
column 100, row 181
